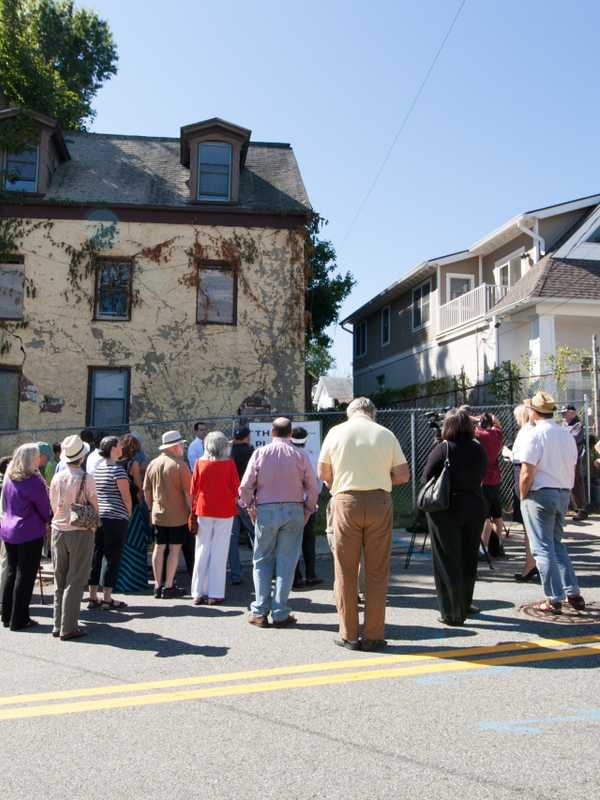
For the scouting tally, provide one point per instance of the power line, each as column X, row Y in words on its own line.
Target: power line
column 404, row 122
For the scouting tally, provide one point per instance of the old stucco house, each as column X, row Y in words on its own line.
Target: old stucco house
column 149, row 278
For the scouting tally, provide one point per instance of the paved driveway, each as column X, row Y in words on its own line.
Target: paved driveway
column 166, row 700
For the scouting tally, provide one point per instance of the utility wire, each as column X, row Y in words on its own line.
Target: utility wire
column 404, row 122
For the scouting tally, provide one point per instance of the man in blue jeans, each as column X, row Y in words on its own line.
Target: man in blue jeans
column 545, row 483
column 280, row 491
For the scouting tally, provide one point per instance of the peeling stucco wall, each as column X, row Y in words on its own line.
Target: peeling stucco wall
column 179, row 368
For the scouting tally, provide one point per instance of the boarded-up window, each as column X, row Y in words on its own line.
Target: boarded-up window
column 109, row 398
column 9, row 398
column 12, row 282
column 217, row 295
column 113, row 289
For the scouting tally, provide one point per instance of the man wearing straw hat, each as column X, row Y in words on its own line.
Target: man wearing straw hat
column 167, row 492
column 545, row 483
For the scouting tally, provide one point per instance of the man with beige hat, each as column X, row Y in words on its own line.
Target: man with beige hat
column 545, row 482
column 167, row 493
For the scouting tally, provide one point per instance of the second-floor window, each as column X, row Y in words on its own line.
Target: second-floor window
column 385, row 325
column 12, row 283
column 113, row 289
column 217, row 295
column 421, row 305
column 214, row 171
column 360, row 339
column 594, row 237
column 21, row 170
column 507, row 271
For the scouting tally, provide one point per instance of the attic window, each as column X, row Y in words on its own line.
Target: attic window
column 595, row 236
column 214, row 171
column 21, row 170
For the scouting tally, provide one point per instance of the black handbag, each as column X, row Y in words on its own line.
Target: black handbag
column 435, row 495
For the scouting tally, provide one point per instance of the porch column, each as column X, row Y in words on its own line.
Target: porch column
column 542, row 344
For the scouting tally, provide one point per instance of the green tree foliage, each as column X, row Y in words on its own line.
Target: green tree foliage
column 54, row 58
column 326, row 290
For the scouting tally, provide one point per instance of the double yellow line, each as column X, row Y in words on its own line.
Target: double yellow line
column 73, row 701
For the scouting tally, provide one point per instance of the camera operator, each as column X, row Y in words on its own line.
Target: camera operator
column 488, row 432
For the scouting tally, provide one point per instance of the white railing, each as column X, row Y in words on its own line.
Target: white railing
column 470, row 306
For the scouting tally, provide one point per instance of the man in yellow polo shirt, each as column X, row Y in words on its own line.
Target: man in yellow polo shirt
column 360, row 461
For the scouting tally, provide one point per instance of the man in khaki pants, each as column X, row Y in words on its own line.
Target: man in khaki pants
column 360, row 461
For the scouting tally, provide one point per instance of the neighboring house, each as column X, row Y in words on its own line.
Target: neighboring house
column 525, row 288
column 331, row 392
column 149, row 277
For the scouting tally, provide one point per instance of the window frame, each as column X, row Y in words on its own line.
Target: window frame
column 386, row 342
column 460, row 276
column 356, row 339
column 92, row 368
column 15, row 259
column 114, row 259
column 202, row 198
column 5, row 180
column 19, row 373
column 223, row 266
column 420, row 287
column 505, row 261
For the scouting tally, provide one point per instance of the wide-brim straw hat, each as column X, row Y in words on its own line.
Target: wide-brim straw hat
column 170, row 439
column 542, row 402
column 73, row 449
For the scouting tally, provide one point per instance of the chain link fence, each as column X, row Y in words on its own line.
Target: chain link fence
column 412, row 427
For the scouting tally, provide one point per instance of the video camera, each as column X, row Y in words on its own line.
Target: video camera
column 435, row 420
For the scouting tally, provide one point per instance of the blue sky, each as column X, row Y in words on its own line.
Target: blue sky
column 509, row 120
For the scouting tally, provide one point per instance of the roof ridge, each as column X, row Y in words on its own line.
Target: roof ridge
column 142, row 137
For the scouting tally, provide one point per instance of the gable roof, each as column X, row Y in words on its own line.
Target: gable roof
column 339, row 389
column 146, row 170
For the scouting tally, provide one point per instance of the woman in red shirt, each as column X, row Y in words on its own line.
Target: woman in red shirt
column 214, row 490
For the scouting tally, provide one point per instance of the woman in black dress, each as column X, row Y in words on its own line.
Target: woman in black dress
column 455, row 533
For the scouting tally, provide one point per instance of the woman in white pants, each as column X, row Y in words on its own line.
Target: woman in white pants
column 214, row 490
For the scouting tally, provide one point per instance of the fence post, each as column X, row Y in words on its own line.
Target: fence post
column 588, row 481
column 413, row 459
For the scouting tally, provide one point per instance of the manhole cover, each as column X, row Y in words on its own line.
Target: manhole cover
column 569, row 616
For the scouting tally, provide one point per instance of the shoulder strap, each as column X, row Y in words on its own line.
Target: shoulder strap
column 447, row 458
column 80, row 494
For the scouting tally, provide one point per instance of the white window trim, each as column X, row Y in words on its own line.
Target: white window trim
column 502, row 262
column 364, row 352
column 384, row 343
column 413, row 290
column 4, row 176
column 461, row 275
column 206, row 198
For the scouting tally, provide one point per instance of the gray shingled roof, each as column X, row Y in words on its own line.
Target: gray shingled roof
column 567, row 278
column 144, row 170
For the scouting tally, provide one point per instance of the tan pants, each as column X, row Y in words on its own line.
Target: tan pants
column 72, row 553
column 362, row 520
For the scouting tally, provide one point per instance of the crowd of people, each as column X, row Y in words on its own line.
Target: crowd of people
column 99, row 500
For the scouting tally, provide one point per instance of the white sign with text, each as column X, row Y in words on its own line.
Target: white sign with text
column 260, row 434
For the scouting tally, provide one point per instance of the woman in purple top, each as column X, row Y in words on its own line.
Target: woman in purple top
column 24, row 523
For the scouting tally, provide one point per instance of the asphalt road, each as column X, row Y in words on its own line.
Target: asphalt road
column 166, row 700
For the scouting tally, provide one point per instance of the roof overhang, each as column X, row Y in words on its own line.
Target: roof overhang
column 217, row 127
column 413, row 277
column 45, row 121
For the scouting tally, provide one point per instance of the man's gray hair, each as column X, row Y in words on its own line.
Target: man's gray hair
column 362, row 405
column 216, row 446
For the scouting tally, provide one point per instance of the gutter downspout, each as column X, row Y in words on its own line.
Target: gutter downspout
column 346, row 329
column 539, row 243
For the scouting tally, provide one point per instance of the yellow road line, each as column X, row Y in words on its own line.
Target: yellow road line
column 295, row 669
column 57, row 709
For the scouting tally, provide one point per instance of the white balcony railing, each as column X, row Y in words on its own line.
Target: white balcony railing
column 470, row 306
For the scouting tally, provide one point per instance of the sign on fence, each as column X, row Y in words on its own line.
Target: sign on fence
column 260, row 434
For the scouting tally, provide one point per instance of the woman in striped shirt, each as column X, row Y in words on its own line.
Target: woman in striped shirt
column 114, row 504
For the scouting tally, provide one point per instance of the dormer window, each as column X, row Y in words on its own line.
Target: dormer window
column 21, row 170
column 214, row 151
column 214, row 171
